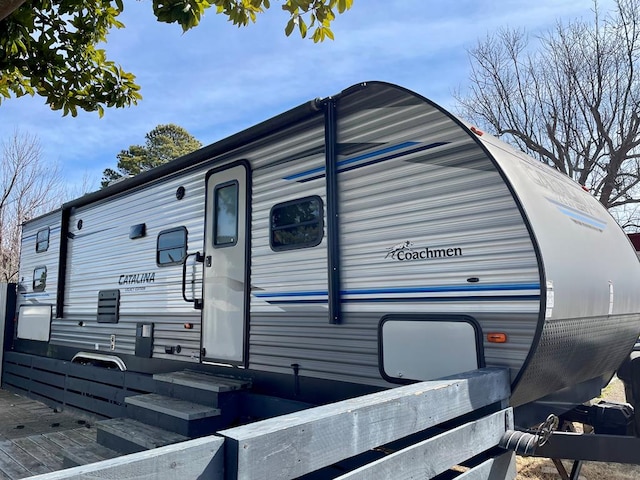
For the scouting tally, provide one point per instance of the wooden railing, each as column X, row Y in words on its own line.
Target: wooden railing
column 414, row 431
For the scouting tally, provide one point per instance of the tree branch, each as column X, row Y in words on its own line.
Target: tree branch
column 7, row 7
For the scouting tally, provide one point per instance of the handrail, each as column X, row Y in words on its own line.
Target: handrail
column 197, row 303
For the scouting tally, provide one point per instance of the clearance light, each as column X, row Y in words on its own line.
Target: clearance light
column 496, row 337
column 477, row 131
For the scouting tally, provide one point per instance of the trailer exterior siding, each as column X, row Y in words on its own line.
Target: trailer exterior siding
column 30, row 260
column 101, row 256
column 400, row 180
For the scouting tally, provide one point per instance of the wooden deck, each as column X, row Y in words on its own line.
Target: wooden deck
column 389, row 434
column 33, row 436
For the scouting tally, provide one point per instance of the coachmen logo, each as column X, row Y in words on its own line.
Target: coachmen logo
column 405, row 251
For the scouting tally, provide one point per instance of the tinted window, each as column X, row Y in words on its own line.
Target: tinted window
column 297, row 224
column 39, row 279
column 42, row 240
column 172, row 246
column 226, row 212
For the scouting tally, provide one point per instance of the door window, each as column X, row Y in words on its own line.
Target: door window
column 225, row 224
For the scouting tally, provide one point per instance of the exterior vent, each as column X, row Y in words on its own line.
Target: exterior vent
column 108, row 306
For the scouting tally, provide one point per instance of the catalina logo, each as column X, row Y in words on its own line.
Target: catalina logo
column 405, row 251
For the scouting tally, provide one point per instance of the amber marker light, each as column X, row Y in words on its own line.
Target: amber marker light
column 496, row 337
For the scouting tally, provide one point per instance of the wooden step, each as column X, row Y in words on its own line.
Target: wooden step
column 173, row 414
column 127, row 435
column 174, row 407
column 202, row 381
column 85, row 454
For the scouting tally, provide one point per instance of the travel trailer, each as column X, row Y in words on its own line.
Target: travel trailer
column 346, row 246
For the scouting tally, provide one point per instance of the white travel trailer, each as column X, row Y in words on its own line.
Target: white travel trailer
column 352, row 243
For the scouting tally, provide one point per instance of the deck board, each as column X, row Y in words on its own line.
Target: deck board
column 24, row 457
column 11, row 468
column 43, row 454
column 34, row 437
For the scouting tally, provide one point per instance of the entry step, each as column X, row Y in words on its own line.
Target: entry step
column 85, row 454
column 126, row 435
column 175, row 414
column 202, row 381
column 173, row 407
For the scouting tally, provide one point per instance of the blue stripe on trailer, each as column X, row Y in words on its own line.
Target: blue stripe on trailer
column 579, row 215
column 320, row 170
column 497, row 298
column 404, row 290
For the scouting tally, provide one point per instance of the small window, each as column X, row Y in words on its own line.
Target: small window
column 225, row 224
column 172, row 246
column 297, row 224
column 42, row 240
column 39, row 279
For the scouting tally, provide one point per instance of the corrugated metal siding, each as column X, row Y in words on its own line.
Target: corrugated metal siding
column 101, row 251
column 291, row 270
column 448, row 195
column 349, row 352
column 29, row 260
column 346, row 352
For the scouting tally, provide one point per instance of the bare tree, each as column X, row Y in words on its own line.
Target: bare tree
column 28, row 187
column 571, row 100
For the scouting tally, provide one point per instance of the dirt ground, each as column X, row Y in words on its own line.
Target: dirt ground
column 530, row 468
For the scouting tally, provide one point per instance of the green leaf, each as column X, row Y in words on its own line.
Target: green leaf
column 291, row 24
column 303, row 27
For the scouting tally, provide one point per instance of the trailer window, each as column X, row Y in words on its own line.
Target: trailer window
column 42, row 240
column 39, row 279
column 297, row 224
column 172, row 246
column 225, row 225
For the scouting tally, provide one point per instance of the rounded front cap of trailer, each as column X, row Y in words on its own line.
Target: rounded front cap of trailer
column 591, row 311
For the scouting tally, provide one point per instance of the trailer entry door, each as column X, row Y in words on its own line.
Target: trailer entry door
column 225, row 286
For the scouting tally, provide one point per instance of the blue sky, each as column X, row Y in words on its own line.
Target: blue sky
column 217, row 79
